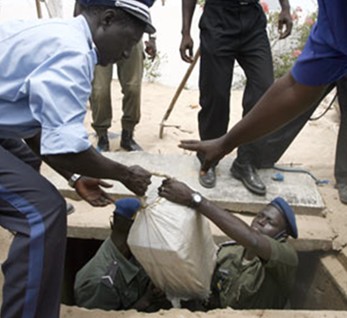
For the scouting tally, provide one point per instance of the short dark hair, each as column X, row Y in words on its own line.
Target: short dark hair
column 123, row 17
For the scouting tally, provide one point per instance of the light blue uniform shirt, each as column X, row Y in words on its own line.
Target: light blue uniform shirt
column 46, row 70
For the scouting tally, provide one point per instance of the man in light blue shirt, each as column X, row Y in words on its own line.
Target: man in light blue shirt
column 45, row 82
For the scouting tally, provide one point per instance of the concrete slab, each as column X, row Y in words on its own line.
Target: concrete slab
column 342, row 257
column 88, row 222
column 337, row 273
column 75, row 312
column 298, row 189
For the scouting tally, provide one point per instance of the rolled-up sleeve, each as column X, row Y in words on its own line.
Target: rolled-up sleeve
column 58, row 93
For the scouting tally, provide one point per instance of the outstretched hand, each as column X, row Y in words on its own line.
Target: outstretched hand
column 89, row 189
column 212, row 150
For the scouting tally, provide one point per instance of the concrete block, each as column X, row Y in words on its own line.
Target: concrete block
column 342, row 256
column 75, row 312
column 337, row 273
column 299, row 189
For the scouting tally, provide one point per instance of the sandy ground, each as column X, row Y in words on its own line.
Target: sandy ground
column 314, row 149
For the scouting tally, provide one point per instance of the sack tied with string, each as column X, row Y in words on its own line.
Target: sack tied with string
column 175, row 246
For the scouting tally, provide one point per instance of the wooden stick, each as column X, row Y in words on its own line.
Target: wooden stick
column 38, row 9
column 178, row 92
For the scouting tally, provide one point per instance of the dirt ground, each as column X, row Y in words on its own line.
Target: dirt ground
column 314, row 149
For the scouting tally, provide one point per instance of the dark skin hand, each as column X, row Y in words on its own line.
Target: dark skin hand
column 90, row 190
column 285, row 22
column 252, row 238
column 187, row 44
column 175, row 191
column 151, row 48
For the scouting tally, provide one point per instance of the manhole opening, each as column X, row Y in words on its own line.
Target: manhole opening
column 315, row 288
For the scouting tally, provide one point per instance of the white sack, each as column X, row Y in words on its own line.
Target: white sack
column 175, row 246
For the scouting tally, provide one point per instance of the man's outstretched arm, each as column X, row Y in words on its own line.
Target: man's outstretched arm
column 284, row 100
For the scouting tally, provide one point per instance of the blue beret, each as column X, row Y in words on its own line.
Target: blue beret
column 127, row 207
column 288, row 214
column 137, row 8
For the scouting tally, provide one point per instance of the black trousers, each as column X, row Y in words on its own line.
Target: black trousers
column 230, row 31
column 33, row 209
column 279, row 141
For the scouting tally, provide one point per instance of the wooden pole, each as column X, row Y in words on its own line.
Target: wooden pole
column 178, row 92
column 38, row 9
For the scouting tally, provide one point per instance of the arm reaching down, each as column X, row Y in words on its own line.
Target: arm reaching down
column 284, row 100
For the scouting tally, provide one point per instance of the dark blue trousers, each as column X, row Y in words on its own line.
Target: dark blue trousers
column 279, row 141
column 33, row 209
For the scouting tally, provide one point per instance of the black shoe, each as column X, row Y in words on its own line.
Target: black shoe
column 208, row 179
column 128, row 143
column 249, row 177
column 103, row 143
column 342, row 189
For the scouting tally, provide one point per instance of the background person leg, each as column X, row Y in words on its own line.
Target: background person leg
column 130, row 73
column 101, row 104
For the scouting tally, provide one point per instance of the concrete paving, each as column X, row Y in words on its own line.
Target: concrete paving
column 299, row 189
column 337, row 273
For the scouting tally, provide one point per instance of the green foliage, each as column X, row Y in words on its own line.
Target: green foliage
column 286, row 51
column 151, row 68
